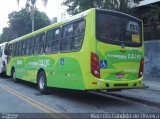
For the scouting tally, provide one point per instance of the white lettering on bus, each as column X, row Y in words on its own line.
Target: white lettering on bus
column 41, row 63
column 19, row 62
column 128, row 56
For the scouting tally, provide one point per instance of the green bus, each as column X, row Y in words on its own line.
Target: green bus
column 94, row 50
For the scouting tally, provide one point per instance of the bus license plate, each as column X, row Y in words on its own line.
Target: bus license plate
column 119, row 75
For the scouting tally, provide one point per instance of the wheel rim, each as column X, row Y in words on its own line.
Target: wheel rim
column 41, row 82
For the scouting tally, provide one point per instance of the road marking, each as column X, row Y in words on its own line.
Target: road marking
column 34, row 103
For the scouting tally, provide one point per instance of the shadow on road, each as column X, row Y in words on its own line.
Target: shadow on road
column 76, row 96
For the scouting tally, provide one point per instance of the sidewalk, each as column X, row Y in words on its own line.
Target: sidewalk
column 151, row 94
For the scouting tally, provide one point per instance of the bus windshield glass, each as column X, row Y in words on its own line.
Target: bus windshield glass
column 117, row 28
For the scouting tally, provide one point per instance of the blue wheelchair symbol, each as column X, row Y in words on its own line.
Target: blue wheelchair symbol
column 103, row 64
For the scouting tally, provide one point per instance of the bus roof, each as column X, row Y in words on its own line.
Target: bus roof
column 83, row 14
column 80, row 15
column 119, row 13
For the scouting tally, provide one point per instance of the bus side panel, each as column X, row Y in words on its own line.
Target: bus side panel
column 69, row 72
column 74, row 67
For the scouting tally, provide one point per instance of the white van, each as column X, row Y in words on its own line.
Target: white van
column 3, row 58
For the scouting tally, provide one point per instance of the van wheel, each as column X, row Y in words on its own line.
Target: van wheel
column 42, row 83
column 13, row 75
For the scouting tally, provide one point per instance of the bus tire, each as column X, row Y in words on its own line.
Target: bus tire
column 13, row 75
column 42, row 82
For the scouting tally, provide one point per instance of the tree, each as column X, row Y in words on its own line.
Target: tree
column 20, row 23
column 32, row 4
column 6, row 35
column 77, row 6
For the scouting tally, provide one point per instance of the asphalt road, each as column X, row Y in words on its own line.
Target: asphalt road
column 24, row 97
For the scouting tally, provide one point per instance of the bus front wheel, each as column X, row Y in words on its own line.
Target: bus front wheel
column 42, row 83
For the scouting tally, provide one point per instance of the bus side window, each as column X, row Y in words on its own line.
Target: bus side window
column 49, row 38
column 66, row 39
column 19, row 48
column 56, row 40
column 10, row 49
column 16, row 49
column 41, row 43
column 52, row 41
column 13, row 49
column 31, row 50
column 23, row 47
column 27, row 46
column 79, row 28
column 36, row 45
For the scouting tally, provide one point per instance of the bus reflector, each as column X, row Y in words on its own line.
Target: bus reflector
column 95, row 67
column 141, row 68
column 94, row 82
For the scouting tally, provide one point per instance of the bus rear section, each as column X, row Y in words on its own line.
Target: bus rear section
column 117, row 56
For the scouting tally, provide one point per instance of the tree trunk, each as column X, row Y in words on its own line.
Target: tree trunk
column 32, row 14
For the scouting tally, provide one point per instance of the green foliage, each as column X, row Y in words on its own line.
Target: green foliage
column 32, row 5
column 77, row 6
column 20, row 23
column 33, row 2
column 6, row 35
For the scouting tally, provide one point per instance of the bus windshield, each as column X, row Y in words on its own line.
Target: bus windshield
column 117, row 28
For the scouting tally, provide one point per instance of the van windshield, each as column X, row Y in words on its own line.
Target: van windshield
column 117, row 28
